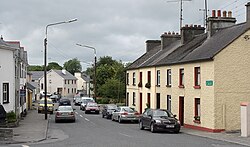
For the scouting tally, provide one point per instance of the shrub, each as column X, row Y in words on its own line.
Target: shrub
column 11, row 116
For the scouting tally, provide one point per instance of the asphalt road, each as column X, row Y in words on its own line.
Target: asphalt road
column 91, row 130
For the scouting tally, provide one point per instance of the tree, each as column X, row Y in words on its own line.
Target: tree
column 73, row 66
column 112, row 89
column 54, row 65
column 35, row 68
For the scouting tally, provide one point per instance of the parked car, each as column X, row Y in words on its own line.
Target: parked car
column 78, row 100
column 41, row 106
column 65, row 113
column 84, row 102
column 108, row 110
column 2, row 114
column 125, row 113
column 159, row 120
column 54, row 98
column 64, row 102
column 92, row 107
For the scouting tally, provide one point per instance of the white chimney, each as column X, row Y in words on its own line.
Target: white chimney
column 64, row 71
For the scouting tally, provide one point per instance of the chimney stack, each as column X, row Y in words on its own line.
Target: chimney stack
column 167, row 38
column 248, row 14
column 150, row 44
column 189, row 32
column 216, row 23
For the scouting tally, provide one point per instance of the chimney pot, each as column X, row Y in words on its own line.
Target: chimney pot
column 218, row 13
column 169, row 33
column 195, row 26
column 199, row 26
column 224, row 13
column 213, row 13
column 173, row 33
column 191, row 25
column 186, row 26
column 229, row 13
column 177, row 33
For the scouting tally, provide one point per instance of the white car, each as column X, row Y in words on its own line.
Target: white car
column 65, row 113
column 85, row 101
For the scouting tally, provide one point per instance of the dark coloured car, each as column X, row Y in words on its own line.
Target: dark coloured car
column 64, row 102
column 108, row 110
column 159, row 120
column 2, row 114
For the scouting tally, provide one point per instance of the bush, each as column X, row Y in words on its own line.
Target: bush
column 11, row 116
column 102, row 101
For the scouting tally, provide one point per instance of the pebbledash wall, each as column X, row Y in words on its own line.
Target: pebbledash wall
column 231, row 68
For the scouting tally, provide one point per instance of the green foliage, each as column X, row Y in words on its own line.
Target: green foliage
column 35, row 68
column 11, row 116
column 54, row 65
column 73, row 66
column 103, row 100
column 111, row 89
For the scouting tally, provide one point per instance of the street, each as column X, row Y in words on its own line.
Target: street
column 91, row 130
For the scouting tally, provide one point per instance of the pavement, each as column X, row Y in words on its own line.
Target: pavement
column 33, row 128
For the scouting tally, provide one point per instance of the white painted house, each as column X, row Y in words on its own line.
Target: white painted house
column 8, row 76
column 60, row 81
column 84, row 83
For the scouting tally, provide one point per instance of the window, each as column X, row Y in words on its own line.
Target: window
column 72, row 81
column 158, row 77
column 68, row 81
column 140, row 82
column 127, row 99
column 68, row 90
column 72, row 89
column 197, row 77
column 149, row 76
column 5, row 93
column 169, row 78
column 75, row 81
column 181, row 78
column 133, row 98
column 42, row 86
column 197, row 109
column 127, row 79
column 169, row 102
column 148, row 101
column 65, row 82
column 133, row 78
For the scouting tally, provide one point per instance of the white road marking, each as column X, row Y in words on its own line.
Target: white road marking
column 125, row 135
column 76, row 112
column 86, row 119
column 81, row 115
column 25, row 146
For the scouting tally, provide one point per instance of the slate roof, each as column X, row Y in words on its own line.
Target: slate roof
column 67, row 76
column 200, row 48
column 85, row 77
column 36, row 75
column 32, row 85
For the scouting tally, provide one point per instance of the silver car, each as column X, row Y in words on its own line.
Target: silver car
column 125, row 113
column 65, row 113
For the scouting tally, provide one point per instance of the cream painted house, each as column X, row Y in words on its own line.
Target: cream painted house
column 200, row 76
column 59, row 81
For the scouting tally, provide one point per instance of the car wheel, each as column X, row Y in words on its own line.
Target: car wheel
column 119, row 120
column 56, row 121
column 39, row 111
column 176, row 131
column 86, row 112
column 141, row 125
column 152, row 128
column 112, row 118
column 74, row 120
column 102, row 115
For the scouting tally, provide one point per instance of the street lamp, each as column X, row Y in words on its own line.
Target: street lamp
column 94, row 66
column 45, row 61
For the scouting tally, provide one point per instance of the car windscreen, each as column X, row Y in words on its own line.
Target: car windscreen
column 160, row 113
column 87, row 100
column 128, row 109
column 92, row 104
column 65, row 109
column 112, row 107
column 48, row 102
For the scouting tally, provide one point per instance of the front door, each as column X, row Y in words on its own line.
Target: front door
column 140, row 103
column 181, row 110
column 158, row 101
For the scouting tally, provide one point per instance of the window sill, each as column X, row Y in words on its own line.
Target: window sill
column 168, row 85
column 197, row 87
column 158, row 85
column 181, row 86
column 6, row 102
column 134, row 85
column 197, row 121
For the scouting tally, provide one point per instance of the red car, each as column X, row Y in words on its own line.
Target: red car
column 92, row 107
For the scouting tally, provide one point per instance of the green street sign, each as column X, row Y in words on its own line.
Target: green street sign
column 209, row 83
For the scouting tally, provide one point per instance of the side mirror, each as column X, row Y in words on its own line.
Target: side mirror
column 74, row 109
column 175, row 115
column 55, row 109
column 150, row 116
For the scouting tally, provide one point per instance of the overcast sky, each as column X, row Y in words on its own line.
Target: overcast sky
column 117, row 28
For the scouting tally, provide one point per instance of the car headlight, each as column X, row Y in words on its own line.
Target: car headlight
column 158, row 121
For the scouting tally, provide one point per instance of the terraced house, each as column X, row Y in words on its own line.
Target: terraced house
column 200, row 75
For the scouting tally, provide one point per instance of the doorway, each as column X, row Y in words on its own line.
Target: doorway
column 181, row 110
column 140, row 103
column 158, row 101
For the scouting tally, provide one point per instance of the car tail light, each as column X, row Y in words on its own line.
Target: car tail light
column 125, row 113
column 136, row 113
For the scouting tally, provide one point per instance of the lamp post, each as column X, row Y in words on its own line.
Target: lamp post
column 94, row 66
column 45, row 62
